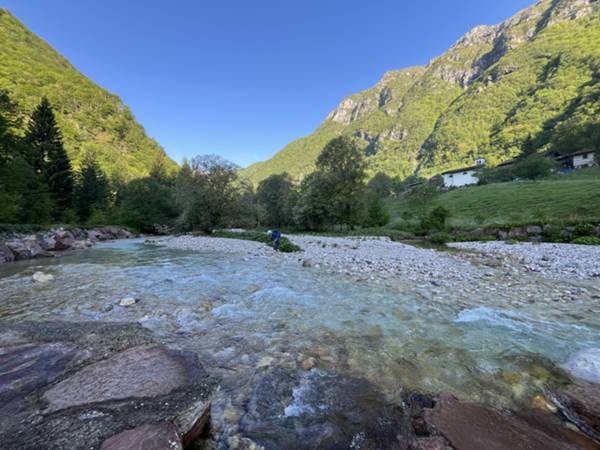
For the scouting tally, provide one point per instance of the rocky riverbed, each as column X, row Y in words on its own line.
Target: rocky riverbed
column 19, row 247
column 559, row 274
column 354, row 343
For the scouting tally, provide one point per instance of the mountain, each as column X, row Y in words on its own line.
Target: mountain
column 90, row 118
column 531, row 80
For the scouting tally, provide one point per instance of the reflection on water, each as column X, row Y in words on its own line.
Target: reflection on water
column 243, row 315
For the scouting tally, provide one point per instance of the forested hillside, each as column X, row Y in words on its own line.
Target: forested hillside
column 92, row 120
column 533, row 80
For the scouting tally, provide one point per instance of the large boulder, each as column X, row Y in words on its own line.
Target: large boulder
column 95, row 235
column 82, row 244
column 124, row 234
column 64, row 239
column 6, row 254
column 46, row 241
column 26, row 247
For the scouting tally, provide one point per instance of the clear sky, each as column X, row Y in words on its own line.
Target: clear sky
column 242, row 78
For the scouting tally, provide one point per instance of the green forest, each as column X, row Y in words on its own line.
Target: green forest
column 91, row 119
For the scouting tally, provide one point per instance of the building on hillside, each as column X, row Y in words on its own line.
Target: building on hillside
column 578, row 160
column 463, row 177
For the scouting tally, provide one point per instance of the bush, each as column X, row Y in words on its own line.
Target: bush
column 436, row 219
column 584, row 230
column 586, row 240
column 439, row 238
column 377, row 214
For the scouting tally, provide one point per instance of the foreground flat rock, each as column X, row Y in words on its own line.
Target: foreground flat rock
column 83, row 385
column 162, row 436
column 468, row 426
column 138, row 372
column 25, row 368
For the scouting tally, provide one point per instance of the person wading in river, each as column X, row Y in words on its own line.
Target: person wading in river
column 276, row 236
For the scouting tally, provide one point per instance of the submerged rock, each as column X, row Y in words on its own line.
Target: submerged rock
column 581, row 404
column 585, row 365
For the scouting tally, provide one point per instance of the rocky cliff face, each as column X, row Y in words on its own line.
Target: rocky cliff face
column 457, row 107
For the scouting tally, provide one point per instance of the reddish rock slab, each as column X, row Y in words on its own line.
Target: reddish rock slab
column 581, row 404
column 147, row 371
column 162, row 436
column 25, row 368
column 468, row 426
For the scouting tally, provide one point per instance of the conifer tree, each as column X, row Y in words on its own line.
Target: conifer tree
column 92, row 188
column 47, row 155
column 8, row 121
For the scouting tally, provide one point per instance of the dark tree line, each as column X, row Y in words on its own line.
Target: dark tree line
column 37, row 181
column 39, row 185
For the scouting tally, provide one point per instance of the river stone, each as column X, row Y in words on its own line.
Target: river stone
column 162, row 436
column 585, row 365
column 25, row 368
column 41, row 277
column 534, row 229
column 147, row 371
column 469, row 426
column 129, row 301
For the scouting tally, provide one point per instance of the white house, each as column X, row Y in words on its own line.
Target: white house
column 578, row 160
column 463, row 177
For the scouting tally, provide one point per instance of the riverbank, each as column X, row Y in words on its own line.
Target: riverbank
column 19, row 247
column 559, row 274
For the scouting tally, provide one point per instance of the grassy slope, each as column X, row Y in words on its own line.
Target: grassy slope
column 567, row 198
column 90, row 117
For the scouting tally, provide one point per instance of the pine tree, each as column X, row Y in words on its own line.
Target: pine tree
column 46, row 153
column 91, row 192
column 7, row 122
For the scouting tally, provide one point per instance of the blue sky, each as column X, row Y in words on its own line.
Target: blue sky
column 243, row 78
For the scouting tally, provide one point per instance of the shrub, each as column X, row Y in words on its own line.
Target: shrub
column 377, row 214
column 586, row 240
column 583, row 230
column 439, row 238
column 436, row 219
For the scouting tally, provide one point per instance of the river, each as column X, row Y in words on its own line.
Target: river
column 277, row 336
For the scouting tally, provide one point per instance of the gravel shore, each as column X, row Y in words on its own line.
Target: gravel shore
column 565, row 276
column 568, row 261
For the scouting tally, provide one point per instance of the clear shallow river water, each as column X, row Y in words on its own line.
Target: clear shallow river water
column 250, row 318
